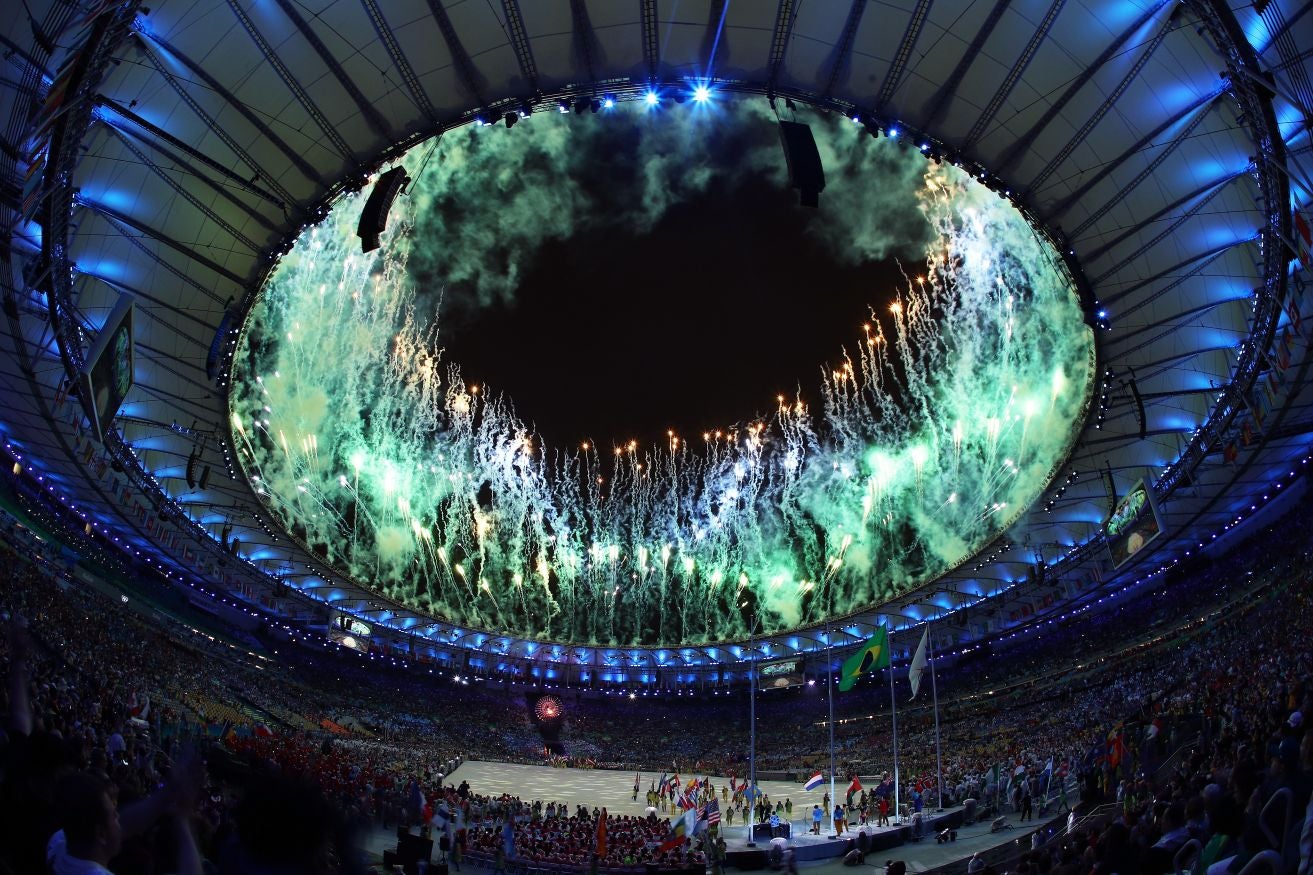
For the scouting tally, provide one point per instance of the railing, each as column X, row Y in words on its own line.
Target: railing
column 1175, row 757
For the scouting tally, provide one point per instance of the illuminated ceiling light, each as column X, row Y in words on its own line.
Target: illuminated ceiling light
column 701, row 94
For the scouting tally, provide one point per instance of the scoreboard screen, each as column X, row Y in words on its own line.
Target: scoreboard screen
column 780, row 674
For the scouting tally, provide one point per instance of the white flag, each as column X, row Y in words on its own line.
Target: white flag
column 919, row 662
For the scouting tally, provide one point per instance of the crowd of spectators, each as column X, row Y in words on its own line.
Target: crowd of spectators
column 110, row 706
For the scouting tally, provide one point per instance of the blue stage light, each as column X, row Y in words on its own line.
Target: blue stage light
column 651, row 98
column 702, row 94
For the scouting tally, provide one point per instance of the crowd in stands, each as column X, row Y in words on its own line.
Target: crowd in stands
column 109, row 708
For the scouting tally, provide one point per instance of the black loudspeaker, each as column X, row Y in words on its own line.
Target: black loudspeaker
column 374, row 217
column 191, row 470
column 414, row 848
column 805, row 171
column 204, row 480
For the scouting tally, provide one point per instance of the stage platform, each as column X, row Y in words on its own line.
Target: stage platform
column 614, row 791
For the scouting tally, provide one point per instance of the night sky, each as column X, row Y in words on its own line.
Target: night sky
column 693, row 326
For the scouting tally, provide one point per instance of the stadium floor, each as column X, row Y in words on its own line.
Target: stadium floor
column 614, row 790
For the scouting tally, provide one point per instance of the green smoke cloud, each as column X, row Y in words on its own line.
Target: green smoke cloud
column 930, row 440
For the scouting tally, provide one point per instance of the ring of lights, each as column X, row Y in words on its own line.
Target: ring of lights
column 1223, row 32
column 933, row 437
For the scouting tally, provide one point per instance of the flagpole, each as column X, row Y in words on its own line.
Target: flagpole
column 893, row 706
column 939, row 761
column 829, row 689
column 752, row 734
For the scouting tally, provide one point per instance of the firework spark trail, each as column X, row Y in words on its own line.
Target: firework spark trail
column 932, row 436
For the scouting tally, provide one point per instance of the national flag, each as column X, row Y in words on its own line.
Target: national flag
column 1256, row 408
column 1303, row 238
column 874, row 654
column 713, row 812
column 1296, row 318
column 601, row 835
column 1281, row 352
column 813, row 782
column 661, row 787
column 853, row 789
column 263, row 731
column 919, row 662
column 750, row 792
column 733, row 786
column 1154, row 728
column 1116, row 746
column 139, row 706
column 1230, row 453
column 680, row 830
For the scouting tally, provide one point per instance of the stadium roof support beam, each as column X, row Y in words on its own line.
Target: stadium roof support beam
column 843, row 50
column 182, row 191
column 647, row 13
column 1207, row 101
column 893, row 77
column 1152, row 368
column 520, row 43
column 585, row 38
column 158, row 358
column 154, row 142
column 371, row 115
column 1171, row 323
column 1014, row 75
column 1104, row 107
column 786, row 13
column 16, row 50
column 399, row 60
column 149, row 296
column 1160, row 237
column 1272, row 432
column 944, row 96
column 1107, row 246
column 118, row 219
column 1288, row 51
column 1024, row 143
column 298, row 161
column 294, row 85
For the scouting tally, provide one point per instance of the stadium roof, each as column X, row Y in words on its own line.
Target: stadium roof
column 170, row 153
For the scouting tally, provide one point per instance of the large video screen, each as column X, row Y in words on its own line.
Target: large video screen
column 107, row 375
column 1133, row 525
column 780, row 674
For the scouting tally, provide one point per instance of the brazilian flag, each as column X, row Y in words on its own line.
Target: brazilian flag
column 872, row 655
